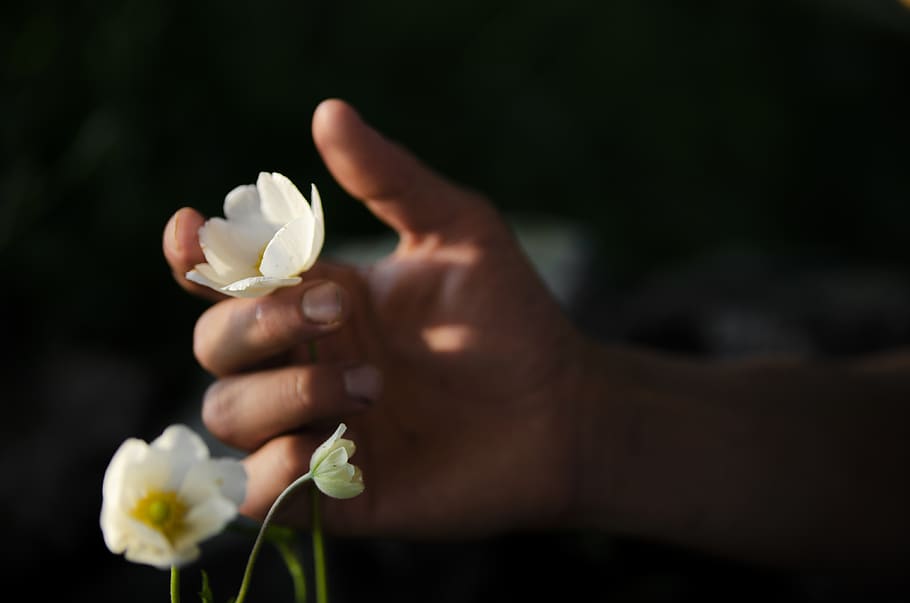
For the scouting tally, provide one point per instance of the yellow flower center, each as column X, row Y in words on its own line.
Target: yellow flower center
column 162, row 511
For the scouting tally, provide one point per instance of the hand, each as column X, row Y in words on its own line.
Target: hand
column 472, row 428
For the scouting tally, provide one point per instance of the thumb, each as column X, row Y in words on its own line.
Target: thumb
column 399, row 189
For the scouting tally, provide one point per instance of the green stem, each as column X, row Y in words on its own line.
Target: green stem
column 322, row 595
column 175, row 584
column 260, row 538
column 295, row 568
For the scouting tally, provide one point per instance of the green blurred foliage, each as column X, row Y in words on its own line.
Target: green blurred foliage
column 668, row 128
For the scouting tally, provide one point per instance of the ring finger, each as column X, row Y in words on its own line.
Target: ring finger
column 246, row 410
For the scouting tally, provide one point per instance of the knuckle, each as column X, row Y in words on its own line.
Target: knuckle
column 217, row 411
column 297, row 395
column 202, row 349
column 275, row 323
column 296, row 392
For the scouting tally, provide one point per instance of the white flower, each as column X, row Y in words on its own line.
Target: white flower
column 162, row 499
column 268, row 236
column 330, row 469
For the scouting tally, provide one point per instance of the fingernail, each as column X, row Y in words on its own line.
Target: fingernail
column 322, row 303
column 363, row 381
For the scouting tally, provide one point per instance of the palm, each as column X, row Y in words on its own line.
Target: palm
column 460, row 372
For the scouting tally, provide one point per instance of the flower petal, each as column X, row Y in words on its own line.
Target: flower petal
column 176, row 466
column 319, row 231
column 185, row 555
column 336, row 472
column 157, row 471
column 337, row 457
column 326, row 447
column 242, row 204
column 184, row 448
column 215, row 478
column 232, row 248
column 205, row 275
column 115, row 536
column 345, row 487
column 205, row 520
column 288, row 253
column 280, row 200
column 231, row 477
column 183, row 442
column 255, row 286
column 150, row 547
column 130, row 452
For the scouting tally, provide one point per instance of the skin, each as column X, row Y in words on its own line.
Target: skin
column 496, row 413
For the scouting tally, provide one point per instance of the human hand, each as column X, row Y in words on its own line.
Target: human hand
column 472, row 428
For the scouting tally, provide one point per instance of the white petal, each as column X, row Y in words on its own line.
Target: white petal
column 184, row 448
column 156, row 471
column 319, row 229
column 295, row 198
column 349, row 446
column 337, row 457
column 130, row 452
column 288, row 253
column 115, row 534
column 280, row 200
column 255, row 286
column 336, row 472
column 183, row 442
column 161, row 558
column 206, row 520
column 316, row 204
column 231, row 477
column 198, row 485
column 205, row 275
column 242, row 204
column 244, row 214
column 149, row 546
column 185, row 556
column 326, row 447
column 215, row 478
column 232, row 250
column 342, row 488
column 216, row 246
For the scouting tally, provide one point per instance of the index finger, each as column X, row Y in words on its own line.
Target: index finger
column 180, row 243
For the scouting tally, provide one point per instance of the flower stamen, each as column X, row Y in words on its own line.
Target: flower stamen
column 162, row 511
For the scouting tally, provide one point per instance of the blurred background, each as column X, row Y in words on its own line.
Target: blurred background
column 715, row 178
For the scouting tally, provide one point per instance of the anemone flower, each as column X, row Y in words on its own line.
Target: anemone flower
column 330, row 469
column 160, row 500
column 269, row 235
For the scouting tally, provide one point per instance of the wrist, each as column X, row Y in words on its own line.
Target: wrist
column 616, row 388
column 598, row 430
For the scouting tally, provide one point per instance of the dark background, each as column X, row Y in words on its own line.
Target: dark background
column 722, row 178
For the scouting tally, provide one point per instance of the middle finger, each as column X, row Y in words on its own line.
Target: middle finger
column 239, row 333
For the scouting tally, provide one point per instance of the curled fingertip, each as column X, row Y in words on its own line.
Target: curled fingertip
column 181, row 236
